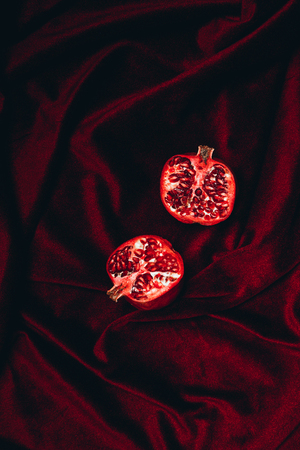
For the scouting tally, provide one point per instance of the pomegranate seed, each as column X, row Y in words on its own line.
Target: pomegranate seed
column 208, row 188
column 223, row 213
column 177, row 160
column 171, row 162
column 149, row 251
column 139, row 252
column 151, row 267
column 168, row 197
column 184, row 184
column 178, row 191
column 185, row 164
column 217, row 198
column 219, row 168
column 152, row 241
column 174, row 178
column 148, row 258
column 183, row 160
column 184, row 200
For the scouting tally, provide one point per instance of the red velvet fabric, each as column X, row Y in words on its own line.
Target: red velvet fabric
column 95, row 97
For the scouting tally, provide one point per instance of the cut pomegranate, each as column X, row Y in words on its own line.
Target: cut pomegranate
column 147, row 271
column 197, row 188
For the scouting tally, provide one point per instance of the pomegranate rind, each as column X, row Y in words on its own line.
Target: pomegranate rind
column 203, row 166
column 163, row 291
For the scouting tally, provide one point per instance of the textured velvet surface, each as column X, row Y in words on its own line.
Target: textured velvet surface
column 95, row 97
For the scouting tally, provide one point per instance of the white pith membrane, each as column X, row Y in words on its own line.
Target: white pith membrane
column 128, row 276
column 181, row 182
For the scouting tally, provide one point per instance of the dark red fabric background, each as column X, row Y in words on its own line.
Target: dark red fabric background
column 95, row 97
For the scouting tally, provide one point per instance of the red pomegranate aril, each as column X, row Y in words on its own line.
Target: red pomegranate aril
column 152, row 241
column 193, row 180
column 147, row 277
column 173, row 178
column 219, row 169
column 151, row 267
column 133, row 279
column 208, row 187
column 148, row 258
column 185, row 164
column 184, row 184
column 149, row 251
column 217, row 198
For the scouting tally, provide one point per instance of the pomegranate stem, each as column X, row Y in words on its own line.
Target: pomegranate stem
column 115, row 292
column 205, row 152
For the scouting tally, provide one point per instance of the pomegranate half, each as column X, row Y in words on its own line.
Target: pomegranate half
column 147, row 271
column 197, row 188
